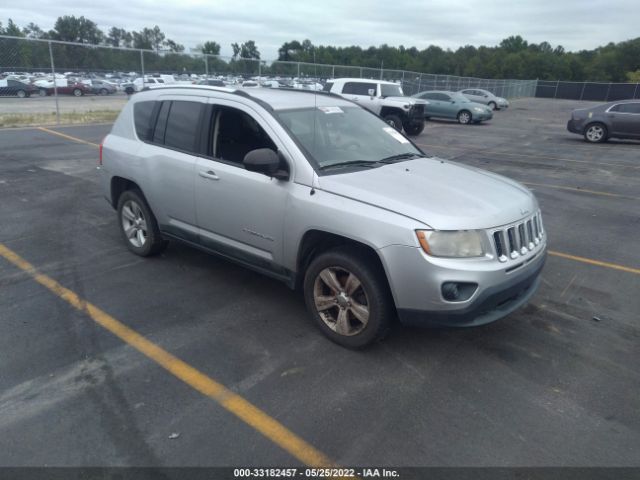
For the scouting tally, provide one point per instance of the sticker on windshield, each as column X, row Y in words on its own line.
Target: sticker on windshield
column 331, row 109
column 395, row 134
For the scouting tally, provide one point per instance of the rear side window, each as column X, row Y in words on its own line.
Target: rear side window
column 182, row 125
column 627, row 108
column 142, row 113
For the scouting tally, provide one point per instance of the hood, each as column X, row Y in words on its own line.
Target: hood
column 438, row 193
column 409, row 100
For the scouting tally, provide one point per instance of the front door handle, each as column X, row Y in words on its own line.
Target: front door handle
column 209, row 174
column 355, row 99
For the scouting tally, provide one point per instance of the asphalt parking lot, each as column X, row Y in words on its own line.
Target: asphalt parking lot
column 555, row 384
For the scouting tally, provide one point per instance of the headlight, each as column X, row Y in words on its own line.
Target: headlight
column 478, row 109
column 407, row 106
column 460, row 243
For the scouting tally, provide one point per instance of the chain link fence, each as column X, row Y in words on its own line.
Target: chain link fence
column 58, row 71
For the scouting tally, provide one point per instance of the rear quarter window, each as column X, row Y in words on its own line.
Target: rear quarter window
column 142, row 113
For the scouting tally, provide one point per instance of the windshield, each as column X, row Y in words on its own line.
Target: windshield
column 337, row 135
column 391, row 90
column 459, row 98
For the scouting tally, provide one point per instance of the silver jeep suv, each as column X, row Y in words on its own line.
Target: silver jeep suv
column 315, row 191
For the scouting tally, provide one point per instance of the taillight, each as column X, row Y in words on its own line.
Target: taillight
column 100, row 158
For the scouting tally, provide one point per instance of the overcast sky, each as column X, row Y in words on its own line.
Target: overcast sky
column 574, row 24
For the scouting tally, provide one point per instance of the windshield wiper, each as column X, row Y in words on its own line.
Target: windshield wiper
column 351, row 163
column 400, row 157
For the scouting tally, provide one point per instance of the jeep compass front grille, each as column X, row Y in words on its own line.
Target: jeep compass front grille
column 519, row 239
column 417, row 111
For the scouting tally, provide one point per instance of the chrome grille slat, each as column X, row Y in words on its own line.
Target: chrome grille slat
column 518, row 239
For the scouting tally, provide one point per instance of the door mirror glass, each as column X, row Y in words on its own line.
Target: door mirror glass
column 372, row 92
column 265, row 161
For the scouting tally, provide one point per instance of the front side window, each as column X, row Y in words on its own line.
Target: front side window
column 235, row 134
column 334, row 135
column 391, row 90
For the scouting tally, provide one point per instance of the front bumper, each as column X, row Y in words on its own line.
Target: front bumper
column 481, row 116
column 574, row 127
column 416, row 287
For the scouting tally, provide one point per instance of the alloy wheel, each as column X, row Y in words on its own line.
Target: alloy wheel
column 595, row 133
column 341, row 301
column 134, row 224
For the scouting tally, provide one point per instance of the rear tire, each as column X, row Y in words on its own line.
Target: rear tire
column 464, row 117
column 104, row 91
column 42, row 92
column 358, row 309
column 596, row 133
column 21, row 94
column 138, row 225
column 77, row 92
column 394, row 120
column 493, row 105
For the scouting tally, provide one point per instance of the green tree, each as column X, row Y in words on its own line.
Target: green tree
column 634, row 77
column 173, row 46
column 119, row 37
column 12, row 30
column 210, row 48
column 76, row 29
column 249, row 50
column 33, row 31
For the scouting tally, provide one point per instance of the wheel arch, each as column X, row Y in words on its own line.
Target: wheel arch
column 392, row 111
column 315, row 242
column 119, row 185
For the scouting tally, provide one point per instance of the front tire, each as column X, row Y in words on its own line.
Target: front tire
column 464, row 117
column 77, row 92
column 595, row 133
column 21, row 94
column 394, row 120
column 138, row 225
column 42, row 92
column 104, row 91
column 346, row 292
column 414, row 129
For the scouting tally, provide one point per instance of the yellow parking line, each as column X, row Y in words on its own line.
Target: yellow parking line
column 590, row 261
column 232, row 402
column 68, row 137
column 583, row 190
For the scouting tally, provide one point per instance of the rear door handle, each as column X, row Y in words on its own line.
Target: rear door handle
column 209, row 174
column 355, row 99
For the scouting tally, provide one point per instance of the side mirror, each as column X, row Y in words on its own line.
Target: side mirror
column 372, row 92
column 265, row 161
